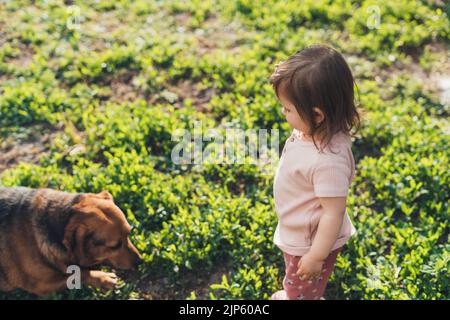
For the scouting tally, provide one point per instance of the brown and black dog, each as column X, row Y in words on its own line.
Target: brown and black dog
column 43, row 231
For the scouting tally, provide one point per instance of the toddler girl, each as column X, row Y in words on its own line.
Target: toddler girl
column 315, row 88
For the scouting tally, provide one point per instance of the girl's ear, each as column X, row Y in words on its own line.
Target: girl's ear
column 318, row 115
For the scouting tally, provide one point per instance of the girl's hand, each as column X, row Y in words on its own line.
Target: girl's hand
column 309, row 267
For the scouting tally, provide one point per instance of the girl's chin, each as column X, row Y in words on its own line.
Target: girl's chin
column 295, row 127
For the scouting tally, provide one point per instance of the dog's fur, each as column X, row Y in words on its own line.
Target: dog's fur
column 43, row 231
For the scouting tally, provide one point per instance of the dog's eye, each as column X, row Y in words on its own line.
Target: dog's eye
column 116, row 246
column 98, row 243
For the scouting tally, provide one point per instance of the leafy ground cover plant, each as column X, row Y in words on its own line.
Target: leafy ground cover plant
column 110, row 82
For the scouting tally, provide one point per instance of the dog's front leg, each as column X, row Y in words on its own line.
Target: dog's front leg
column 95, row 278
column 45, row 287
column 99, row 279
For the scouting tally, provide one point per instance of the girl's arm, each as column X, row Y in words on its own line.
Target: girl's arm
column 329, row 226
column 310, row 265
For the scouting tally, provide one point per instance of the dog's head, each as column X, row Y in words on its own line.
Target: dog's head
column 98, row 233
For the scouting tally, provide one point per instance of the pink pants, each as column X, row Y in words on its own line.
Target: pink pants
column 296, row 289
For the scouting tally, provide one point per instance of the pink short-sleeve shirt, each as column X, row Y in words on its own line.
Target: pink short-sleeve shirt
column 303, row 175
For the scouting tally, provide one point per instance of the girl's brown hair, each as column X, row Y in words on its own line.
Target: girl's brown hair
column 318, row 76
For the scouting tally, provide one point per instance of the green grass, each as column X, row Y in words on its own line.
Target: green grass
column 110, row 82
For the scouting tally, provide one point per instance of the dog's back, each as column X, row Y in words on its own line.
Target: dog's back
column 12, row 200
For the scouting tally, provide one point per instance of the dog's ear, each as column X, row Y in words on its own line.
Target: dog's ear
column 69, row 240
column 105, row 195
column 74, row 240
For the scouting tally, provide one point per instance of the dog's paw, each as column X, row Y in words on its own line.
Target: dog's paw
column 105, row 280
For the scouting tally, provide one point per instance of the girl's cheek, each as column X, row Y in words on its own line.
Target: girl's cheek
column 289, row 119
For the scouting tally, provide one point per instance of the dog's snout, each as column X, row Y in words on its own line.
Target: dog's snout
column 138, row 262
column 137, row 258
